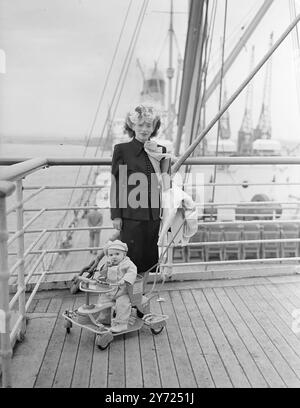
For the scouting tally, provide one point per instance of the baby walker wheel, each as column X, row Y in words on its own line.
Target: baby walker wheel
column 104, row 340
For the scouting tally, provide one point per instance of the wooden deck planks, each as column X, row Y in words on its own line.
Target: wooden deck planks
column 233, row 367
column 216, row 366
column 66, row 364
column 25, row 367
column 255, row 348
column 82, row 369
column 116, row 363
column 283, row 324
column 224, row 336
column 165, row 360
column 288, row 297
column 281, row 297
column 133, row 364
column 32, row 306
column 197, row 361
column 184, row 370
column 42, row 306
column 251, row 370
column 295, row 289
column 274, row 355
column 54, row 305
column 99, row 368
column 150, row 370
column 51, row 359
column 274, row 331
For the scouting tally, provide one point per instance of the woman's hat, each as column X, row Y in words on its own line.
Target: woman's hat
column 117, row 244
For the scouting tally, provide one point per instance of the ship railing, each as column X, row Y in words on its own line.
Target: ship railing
column 32, row 258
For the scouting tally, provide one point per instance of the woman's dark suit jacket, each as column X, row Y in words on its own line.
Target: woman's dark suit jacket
column 129, row 160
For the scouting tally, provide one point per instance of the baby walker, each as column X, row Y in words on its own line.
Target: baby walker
column 97, row 317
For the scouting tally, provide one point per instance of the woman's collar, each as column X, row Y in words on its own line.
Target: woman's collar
column 137, row 146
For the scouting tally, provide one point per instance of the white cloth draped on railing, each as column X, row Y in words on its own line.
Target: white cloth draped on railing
column 180, row 216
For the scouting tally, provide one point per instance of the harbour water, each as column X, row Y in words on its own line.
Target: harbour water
column 60, row 175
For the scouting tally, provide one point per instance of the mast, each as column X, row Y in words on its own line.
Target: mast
column 170, row 75
column 189, row 63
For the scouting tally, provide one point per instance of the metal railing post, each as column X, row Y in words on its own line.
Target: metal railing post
column 20, row 251
column 6, row 189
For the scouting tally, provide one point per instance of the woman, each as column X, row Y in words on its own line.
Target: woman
column 138, row 169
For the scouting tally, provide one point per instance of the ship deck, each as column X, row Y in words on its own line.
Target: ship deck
column 221, row 333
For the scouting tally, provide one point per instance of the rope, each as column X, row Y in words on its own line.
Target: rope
column 124, row 68
column 133, row 40
column 192, row 147
column 158, row 264
column 220, row 96
column 102, row 93
column 129, row 56
column 234, row 35
column 207, row 56
column 296, row 46
column 61, row 222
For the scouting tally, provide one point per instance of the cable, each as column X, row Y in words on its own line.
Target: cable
column 129, row 57
column 220, row 95
column 232, row 37
column 102, row 94
column 140, row 17
column 61, row 222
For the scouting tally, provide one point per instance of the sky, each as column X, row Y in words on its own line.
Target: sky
column 59, row 52
column 285, row 117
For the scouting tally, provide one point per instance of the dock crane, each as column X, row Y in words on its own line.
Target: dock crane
column 245, row 135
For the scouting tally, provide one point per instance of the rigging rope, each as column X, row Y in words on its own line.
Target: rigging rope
column 61, row 222
column 125, row 67
column 296, row 46
column 220, row 95
column 129, row 56
column 142, row 13
column 233, row 97
column 233, row 37
column 127, row 62
column 207, row 56
column 102, row 95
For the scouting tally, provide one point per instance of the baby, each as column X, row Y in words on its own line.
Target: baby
column 119, row 270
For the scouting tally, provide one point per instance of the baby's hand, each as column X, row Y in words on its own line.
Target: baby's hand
column 121, row 282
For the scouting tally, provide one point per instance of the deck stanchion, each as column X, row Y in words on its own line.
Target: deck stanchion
column 6, row 189
column 21, row 259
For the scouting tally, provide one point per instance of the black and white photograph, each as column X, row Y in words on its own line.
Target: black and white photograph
column 149, row 197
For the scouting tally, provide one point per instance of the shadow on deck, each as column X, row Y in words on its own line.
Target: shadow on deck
column 225, row 333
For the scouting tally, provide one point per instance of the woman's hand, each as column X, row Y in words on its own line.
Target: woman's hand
column 117, row 223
